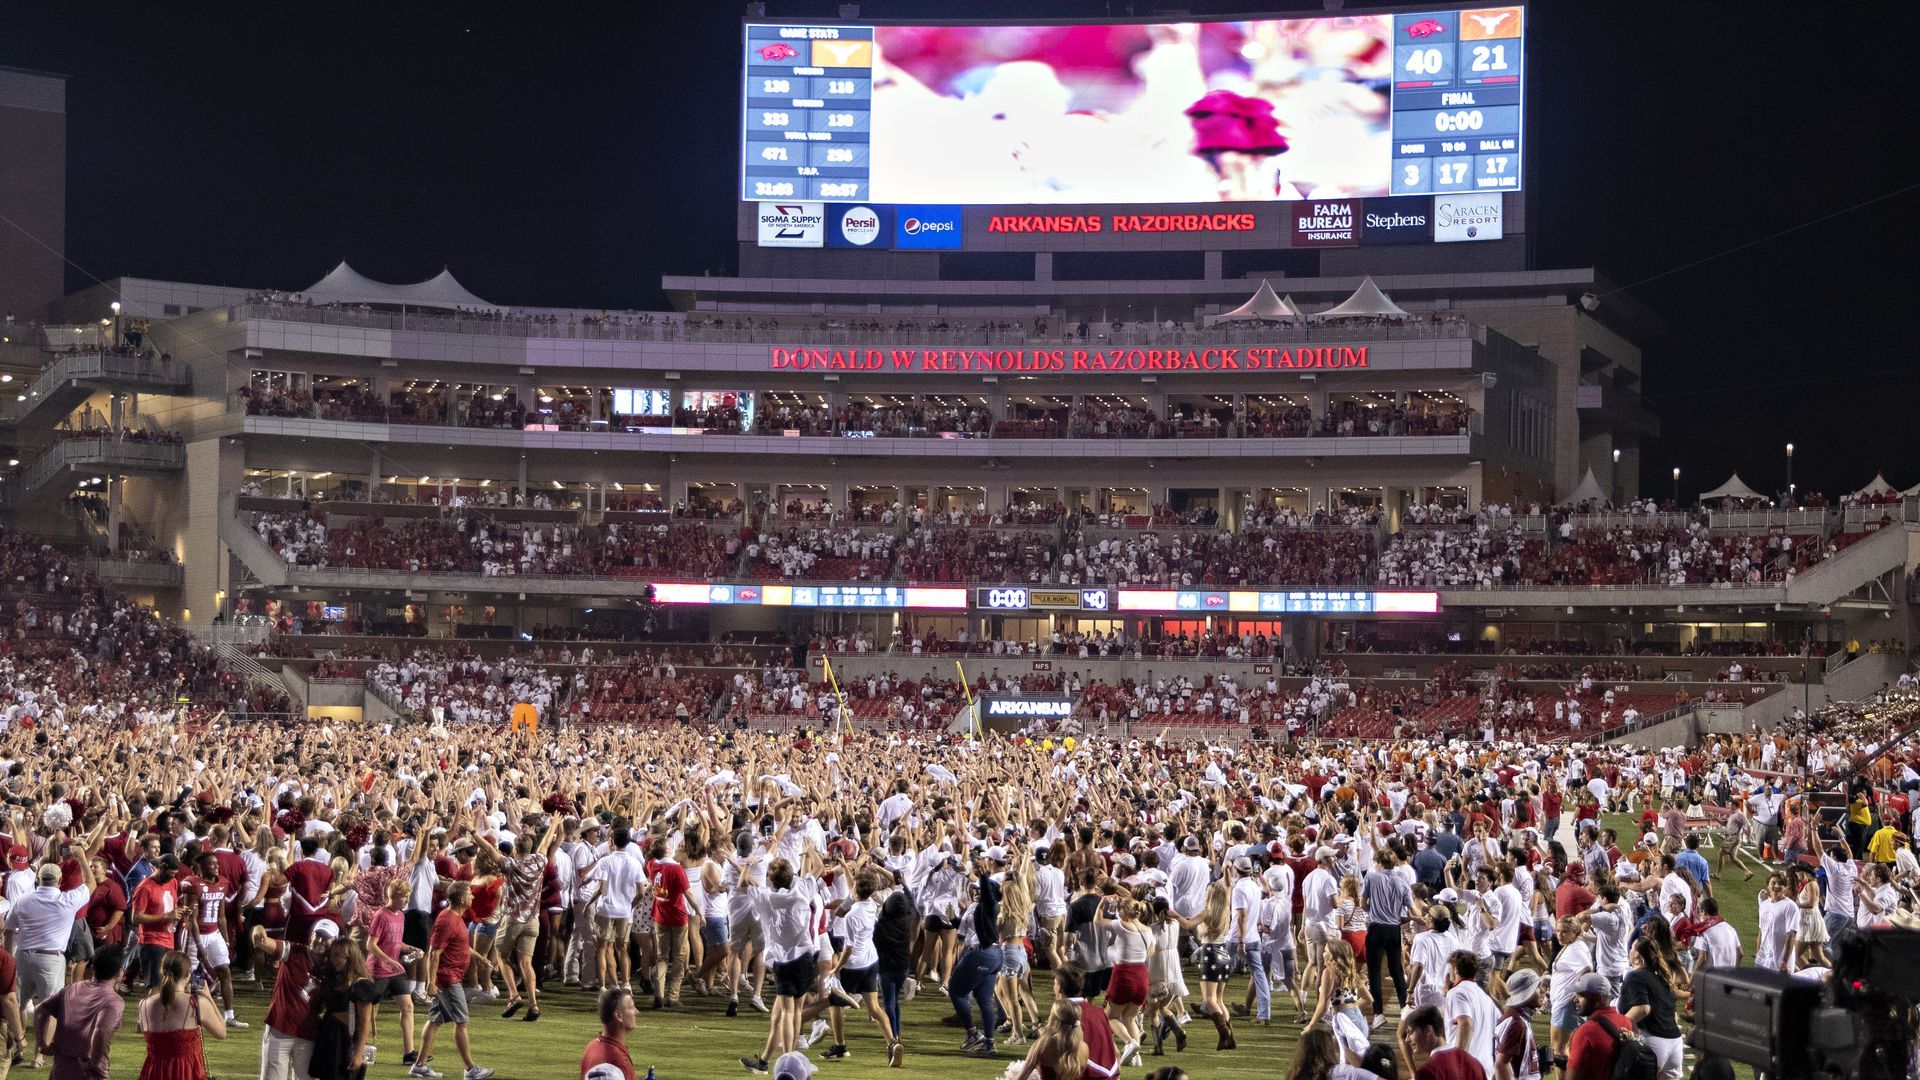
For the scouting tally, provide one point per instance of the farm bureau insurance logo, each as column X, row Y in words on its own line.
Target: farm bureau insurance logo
column 1476, row 216
column 1326, row 223
column 792, row 224
column 860, row 225
column 927, row 227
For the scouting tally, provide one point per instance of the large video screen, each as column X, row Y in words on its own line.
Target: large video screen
column 1339, row 106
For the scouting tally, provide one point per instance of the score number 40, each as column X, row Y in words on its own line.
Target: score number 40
column 1432, row 61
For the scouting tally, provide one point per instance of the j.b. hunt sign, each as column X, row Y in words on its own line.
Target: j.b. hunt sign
column 1069, row 361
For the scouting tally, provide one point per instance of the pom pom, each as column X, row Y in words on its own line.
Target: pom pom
column 57, row 817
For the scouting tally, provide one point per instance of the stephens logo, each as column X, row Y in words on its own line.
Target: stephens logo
column 777, row 52
column 928, row 227
column 1397, row 221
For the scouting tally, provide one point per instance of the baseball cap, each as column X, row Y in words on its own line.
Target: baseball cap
column 325, row 928
column 1446, row 896
column 1521, row 987
column 1592, row 983
column 1243, row 865
column 793, row 1065
column 49, row 874
column 996, row 853
column 1191, row 843
column 1323, row 852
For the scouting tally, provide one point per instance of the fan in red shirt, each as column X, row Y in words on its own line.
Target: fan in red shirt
column 669, row 880
column 308, row 879
column 1590, row 1052
column 606, row 1056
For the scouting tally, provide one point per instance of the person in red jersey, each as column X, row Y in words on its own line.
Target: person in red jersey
column 213, row 895
column 286, row 1047
column 308, row 879
column 156, row 915
column 606, row 1056
column 448, row 956
column 669, row 880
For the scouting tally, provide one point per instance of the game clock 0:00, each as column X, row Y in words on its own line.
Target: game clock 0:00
column 1458, row 81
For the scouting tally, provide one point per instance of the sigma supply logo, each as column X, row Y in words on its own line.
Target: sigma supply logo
column 1397, row 221
column 1476, row 216
column 859, row 225
column 792, row 224
column 777, row 52
column 928, row 227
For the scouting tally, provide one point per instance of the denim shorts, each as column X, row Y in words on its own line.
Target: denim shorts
column 713, row 933
column 1013, row 961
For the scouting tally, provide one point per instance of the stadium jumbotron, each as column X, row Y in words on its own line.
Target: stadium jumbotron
column 1138, row 569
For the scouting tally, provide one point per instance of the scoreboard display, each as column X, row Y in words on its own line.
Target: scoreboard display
column 808, row 112
column 1267, row 110
column 1456, row 101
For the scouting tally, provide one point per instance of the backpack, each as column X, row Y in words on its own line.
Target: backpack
column 1633, row 1059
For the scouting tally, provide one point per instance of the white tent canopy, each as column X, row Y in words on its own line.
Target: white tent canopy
column 1734, row 488
column 345, row 285
column 1264, row 305
column 1587, row 491
column 1912, row 492
column 1367, row 302
column 1879, row 486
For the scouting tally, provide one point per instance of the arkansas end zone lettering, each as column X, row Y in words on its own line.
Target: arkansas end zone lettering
column 1120, row 223
column 1068, row 361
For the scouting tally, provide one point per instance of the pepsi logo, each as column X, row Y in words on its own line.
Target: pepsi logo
column 913, row 226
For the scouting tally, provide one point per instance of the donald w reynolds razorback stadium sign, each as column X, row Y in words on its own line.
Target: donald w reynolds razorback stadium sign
column 1071, row 361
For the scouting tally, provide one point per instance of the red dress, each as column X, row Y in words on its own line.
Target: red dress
column 175, row 1054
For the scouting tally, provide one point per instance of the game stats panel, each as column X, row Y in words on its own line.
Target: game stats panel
column 809, row 98
column 1457, row 90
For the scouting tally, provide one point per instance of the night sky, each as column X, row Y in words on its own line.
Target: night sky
column 569, row 154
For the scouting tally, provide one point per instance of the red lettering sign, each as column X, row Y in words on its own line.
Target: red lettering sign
column 1241, row 221
column 1067, row 361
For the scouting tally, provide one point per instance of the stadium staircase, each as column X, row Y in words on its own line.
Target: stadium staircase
column 1856, row 567
column 66, row 383
column 264, row 563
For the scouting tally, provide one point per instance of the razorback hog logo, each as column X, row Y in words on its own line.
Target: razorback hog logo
column 779, row 50
column 1423, row 28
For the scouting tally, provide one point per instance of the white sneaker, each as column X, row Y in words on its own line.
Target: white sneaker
column 818, row 1031
column 478, row 1072
column 368, row 1059
column 910, row 990
column 1130, row 1051
column 236, row 1025
column 421, row 1070
column 760, row 1003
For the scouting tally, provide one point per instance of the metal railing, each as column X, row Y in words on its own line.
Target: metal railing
column 1749, row 520
column 102, row 453
column 101, row 366
column 667, row 328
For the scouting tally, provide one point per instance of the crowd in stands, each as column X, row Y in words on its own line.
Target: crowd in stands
column 125, row 435
column 821, row 554
column 863, row 418
column 475, row 544
column 1011, row 556
column 1279, row 557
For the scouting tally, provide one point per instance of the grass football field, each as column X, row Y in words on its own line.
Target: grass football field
column 700, row 1041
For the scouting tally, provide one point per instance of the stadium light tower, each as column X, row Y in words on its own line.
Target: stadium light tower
column 1789, row 473
column 1676, row 485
